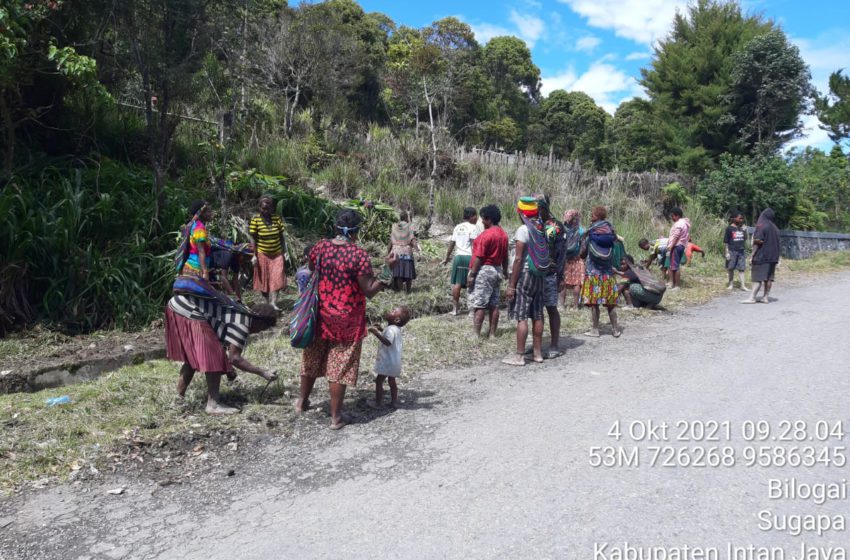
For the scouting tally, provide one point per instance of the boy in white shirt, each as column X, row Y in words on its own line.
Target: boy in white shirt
column 388, row 362
column 462, row 237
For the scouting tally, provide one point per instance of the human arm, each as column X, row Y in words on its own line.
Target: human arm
column 474, row 265
column 371, row 286
column 516, row 270
column 375, row 331
column 449, row 251
column 202, row 258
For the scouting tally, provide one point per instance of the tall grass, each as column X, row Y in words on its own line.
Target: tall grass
column 82, row 237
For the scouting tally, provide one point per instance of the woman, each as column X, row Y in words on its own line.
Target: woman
column 345, row 281
column 403, row 243
column 209, row 336
column 574, row 269
column 600, row 285
column 640, row 288
column 766, row 253
column 196, row 250
column 267, row 230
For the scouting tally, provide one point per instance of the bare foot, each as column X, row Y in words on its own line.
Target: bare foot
column 594, row 333
column 514, row 360
column 537, row 359
column 339, row 423
column 217, row 409
column 301, row 405
column 617, row 332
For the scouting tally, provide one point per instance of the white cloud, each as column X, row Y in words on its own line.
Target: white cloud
column 486, row 31
column 639, row 56
column 607, row 85
column 527, row 27
column 588, row 43
column 643, row 21
column 824, row 55
column 813, row 135
column 530, row 27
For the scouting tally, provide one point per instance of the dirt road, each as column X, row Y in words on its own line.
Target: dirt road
column 494, row 462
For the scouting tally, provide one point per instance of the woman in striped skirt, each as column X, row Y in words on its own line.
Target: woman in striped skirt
column 200, row 332
column 267, row 230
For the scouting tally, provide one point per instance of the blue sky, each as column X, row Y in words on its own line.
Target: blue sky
column 599, row 46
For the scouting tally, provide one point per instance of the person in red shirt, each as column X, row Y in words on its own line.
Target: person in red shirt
column 489, row 253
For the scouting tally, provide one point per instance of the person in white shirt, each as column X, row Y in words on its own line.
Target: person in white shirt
column 388, row 362
column 462, row 237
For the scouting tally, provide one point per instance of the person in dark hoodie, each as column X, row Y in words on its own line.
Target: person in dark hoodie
column 765, row 256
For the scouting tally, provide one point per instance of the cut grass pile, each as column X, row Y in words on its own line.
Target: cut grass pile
column 41, row 444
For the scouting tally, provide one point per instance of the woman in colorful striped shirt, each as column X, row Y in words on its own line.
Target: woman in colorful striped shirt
column 197, row 262
column 267, row 230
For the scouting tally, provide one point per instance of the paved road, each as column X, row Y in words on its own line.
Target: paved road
column 493, row 462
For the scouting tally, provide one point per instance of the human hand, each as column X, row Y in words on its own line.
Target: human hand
column 391, row 259
column 254, row 260
column 726, row 257
column 510, row 294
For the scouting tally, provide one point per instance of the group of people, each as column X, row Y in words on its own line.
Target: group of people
column 553, row 261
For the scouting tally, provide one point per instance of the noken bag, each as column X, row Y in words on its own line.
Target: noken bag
column 303, row 322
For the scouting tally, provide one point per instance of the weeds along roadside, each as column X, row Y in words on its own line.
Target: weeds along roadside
column 110, row 419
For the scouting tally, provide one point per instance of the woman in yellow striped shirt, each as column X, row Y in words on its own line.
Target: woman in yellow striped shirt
column 267, row 230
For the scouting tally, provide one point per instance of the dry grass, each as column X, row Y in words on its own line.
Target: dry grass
column 41, row 443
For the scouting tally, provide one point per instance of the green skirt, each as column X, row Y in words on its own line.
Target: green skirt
column 460, row 269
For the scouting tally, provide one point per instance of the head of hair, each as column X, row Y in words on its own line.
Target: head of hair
column 264, row 317
column 599, row 212
column 676, row 211
column 643, row 243
column 402, row 314
column 492, row 213
column 307, row 250
column 347, row 219
column 469, row 212
column 195, row 206
column 629, row 259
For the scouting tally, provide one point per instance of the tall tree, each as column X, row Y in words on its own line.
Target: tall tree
column 833, row 109
column 515, row 79
column 770, row 85
column 689, row 81
column 573, row 126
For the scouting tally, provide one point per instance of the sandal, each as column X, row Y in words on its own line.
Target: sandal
column 552, row 354
column 514, row 360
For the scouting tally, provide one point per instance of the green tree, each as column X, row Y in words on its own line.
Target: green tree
column 825, row 181
column 752, row 184
column 689, row 82
column 573, row 126
column 640, row 140
column 37, row 71
column 515, row 80
column 833, row 109
column 770, row 84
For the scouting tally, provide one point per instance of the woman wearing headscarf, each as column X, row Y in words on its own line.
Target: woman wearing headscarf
column 766, row 252
column 345, row 281
column 526, row 288
column 574, row 268
column 403, row 244
column 266, row 228
column 600, row 285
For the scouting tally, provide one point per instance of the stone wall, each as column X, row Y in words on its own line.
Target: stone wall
column 803, row 244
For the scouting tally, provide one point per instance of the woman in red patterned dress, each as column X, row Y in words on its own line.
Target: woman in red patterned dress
column 345, row 281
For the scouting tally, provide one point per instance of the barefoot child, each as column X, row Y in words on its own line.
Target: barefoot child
column 388, row 362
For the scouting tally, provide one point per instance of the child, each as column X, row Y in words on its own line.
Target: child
column 734, row 241
column 690, row 249
column 388, row 362
column 302, row 275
